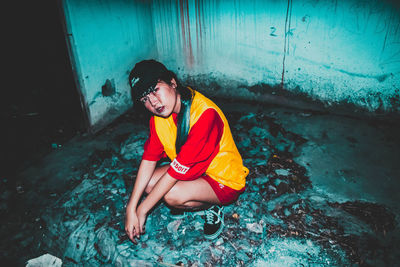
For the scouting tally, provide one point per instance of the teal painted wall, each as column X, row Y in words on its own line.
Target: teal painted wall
column 331, row 50
column 334, row 51
column 106, row 38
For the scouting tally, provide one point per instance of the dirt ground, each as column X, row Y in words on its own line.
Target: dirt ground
column 322, row 190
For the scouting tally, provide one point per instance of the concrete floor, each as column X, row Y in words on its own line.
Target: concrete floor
column 322, row 190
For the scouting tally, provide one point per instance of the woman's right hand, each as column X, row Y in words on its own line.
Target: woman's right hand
column 132, row 224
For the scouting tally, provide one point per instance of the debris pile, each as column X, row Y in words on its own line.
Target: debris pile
column 274, row 208
column 279, row 220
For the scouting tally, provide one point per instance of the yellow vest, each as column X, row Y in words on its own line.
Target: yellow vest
column 227, row 166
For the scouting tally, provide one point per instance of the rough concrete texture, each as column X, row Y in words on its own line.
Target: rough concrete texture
column 321, row 191
column 334, row 51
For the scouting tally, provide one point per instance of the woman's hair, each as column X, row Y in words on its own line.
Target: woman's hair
column 183, row 119
column 167, row 77
column 143, row 78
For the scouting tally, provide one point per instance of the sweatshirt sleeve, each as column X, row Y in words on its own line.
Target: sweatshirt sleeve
column 153, row 148
column 201, row 147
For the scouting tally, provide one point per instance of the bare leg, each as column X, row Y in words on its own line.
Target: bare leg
column 194, row 194
column 159, row 171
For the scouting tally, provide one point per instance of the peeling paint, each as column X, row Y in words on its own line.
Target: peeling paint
column 108, row 89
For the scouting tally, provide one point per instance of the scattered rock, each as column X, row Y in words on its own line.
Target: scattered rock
column 46, row 260
column 255, row 227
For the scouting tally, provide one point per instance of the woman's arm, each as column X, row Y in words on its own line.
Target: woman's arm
column 146, row 170
column 162, row 187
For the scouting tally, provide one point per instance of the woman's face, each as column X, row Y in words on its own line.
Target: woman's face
column 164, row 100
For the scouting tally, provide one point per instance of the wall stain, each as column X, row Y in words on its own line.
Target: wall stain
column 108, row 89
column 379, row 78
column 387, row 32
column 199, row 28
column 185, row 28
column 286, row 40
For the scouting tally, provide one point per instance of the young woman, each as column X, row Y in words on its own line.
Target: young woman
column 206, row 170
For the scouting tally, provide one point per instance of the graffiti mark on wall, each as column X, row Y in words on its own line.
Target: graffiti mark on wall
column 273, row 30
column 273, row 34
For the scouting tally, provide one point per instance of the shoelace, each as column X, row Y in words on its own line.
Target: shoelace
column 210, row 217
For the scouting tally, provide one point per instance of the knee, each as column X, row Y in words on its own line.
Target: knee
column 175, row 200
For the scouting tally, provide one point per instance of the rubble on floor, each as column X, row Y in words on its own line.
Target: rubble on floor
column 280, row 220
column 45, row 260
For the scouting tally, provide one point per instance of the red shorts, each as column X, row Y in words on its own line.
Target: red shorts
column 225, row 194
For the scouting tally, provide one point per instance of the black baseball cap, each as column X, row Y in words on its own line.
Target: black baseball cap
column 145, row 76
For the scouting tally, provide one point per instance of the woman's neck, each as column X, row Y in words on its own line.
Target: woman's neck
column 178, row 103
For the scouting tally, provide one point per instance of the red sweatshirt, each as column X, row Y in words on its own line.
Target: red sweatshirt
column 199, row 150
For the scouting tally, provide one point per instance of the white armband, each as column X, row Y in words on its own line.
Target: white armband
column 179, row 168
